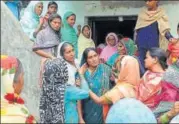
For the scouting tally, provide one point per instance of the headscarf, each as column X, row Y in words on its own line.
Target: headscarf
column 146, row 18
column 53, row 89
column 72, row 69
column 11, row 67
column 30, row 19
column 47, row 38
column 129, row 71
column 130, row 110
column 108, row 51
column 68, row 33
column 129, row 46
column 84, row 42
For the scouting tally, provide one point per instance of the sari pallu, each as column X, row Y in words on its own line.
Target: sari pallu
column 99, row 83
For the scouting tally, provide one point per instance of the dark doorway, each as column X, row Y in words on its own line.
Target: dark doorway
column 101, row 26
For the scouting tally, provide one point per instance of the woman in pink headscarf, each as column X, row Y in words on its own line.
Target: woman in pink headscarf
column 111, row 48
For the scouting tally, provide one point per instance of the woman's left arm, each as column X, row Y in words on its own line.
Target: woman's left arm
column 98, row 100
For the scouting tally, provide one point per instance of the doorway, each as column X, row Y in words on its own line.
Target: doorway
column 101, row 26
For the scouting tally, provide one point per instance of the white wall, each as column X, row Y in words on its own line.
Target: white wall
column 94, row 8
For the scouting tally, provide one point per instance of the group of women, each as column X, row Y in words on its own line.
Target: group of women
column 78, row 85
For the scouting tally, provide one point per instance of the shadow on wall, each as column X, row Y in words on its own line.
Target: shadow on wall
column 15, row 43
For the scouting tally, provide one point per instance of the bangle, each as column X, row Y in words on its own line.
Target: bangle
column 164, row 119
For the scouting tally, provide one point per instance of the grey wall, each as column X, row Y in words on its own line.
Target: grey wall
column 15, row 43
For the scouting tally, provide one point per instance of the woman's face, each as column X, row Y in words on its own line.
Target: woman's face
column 71, row 20
column 86, row 32
column 18, row 86
column 52, row 9
column 56, row 24
column 121, row 49
column 69, row 54
column 111, row 40
column 39, row 8
column 149, row 61
column 93, row 59
column 151, row 4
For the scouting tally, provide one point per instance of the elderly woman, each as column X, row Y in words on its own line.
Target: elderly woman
column 111, row 48
column 68, row 32
column 13, row 109
column 30, row 19
column 60, row 79
column 84, row 40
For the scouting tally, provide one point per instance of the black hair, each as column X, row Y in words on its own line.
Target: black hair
column 85, row 55
column 62, row 50
column 178, row 27
column 52, row 3
column 53, row 16
column 120, row 36
column 161, row 55
column 19, row 70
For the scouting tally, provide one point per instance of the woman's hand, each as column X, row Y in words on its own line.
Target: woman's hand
column 81, row 121
column 83, row 69
column 174, row 111
column 173, row 40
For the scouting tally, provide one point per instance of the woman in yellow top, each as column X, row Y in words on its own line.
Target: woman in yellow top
column 13, row 109
column 84, row 40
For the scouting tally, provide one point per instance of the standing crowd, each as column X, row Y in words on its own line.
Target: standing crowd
column 82, row 83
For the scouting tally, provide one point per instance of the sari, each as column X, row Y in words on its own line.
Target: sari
column 126, row 84
column 108, row 51
column 98, row 82
column 51, row 106
column 84, row 43
column 13, row 109
column 72, row 92
column 68, row 33
column 30, row 20
column 130, row 48
column 170, row 81
column 149, row 87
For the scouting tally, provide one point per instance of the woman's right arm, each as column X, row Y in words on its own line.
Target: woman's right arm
column 44, row 54
column 166, row 117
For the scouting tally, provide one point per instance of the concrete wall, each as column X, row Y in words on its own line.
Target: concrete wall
column 14, row 42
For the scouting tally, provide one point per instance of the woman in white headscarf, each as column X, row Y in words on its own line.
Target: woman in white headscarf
column 30, row 20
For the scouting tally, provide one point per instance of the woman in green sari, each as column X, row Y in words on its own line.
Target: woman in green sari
column 68, row 32
column 97, row 77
